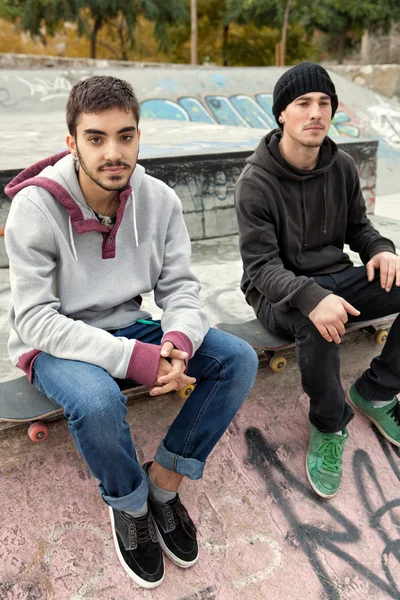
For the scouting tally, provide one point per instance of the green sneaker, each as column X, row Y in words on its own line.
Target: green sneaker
column 324, row 461
column 385, row 418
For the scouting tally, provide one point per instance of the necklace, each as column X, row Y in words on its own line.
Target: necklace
column 105, row 219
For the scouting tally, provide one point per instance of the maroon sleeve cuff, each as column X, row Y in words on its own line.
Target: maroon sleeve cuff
column 144, row 363
column 180, row 342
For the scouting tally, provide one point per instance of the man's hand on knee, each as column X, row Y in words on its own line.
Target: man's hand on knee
column 330, row 317
column 171, row 374
column 388, row 264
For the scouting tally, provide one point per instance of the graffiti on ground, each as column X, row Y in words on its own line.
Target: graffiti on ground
column 318, row 542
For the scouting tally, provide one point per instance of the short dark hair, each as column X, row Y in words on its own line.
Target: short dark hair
column 98, row 93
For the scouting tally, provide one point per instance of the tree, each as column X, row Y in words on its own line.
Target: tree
column 340, row 19
column 272, row 13
column 41, row 17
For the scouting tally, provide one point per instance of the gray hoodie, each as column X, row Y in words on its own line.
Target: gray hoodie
column 72, row 278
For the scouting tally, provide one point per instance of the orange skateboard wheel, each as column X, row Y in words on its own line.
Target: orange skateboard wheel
column 38, row 431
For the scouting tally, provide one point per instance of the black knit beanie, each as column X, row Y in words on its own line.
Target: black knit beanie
column 301, row 79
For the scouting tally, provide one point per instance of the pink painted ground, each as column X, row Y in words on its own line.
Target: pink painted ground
column 264, row 535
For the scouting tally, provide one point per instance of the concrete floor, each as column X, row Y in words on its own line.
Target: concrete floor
column 263, row 533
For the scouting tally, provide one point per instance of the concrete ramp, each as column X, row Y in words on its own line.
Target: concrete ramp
column 239, row 97
column 263, row 533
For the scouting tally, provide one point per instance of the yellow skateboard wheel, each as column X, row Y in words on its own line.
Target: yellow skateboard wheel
column 277, row 363
column 186, row 391
column 381, row 336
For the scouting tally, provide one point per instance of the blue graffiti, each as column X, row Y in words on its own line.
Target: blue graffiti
column 219, row 79
column 239, row 110
column 163, row 109
column 252, row 113
column 195, row 110
column 341, row 126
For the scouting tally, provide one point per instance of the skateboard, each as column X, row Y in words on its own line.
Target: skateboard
column 270, row 346
column 21, row 402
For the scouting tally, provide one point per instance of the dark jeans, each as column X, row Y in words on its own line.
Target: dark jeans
column 319, row 360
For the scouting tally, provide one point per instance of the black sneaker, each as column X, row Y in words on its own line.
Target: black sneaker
column 176, row 531
column 137, row 548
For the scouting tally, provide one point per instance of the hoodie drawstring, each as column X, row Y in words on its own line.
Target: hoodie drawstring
column 135, row 233
column 303, row 208
column 71, row 238
column 325, row 202
column 304, row 212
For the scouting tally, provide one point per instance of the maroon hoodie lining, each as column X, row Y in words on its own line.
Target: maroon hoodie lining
column 30, row 177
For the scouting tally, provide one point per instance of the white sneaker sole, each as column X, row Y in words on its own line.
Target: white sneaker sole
column 142, row 582
column 385, row 435
column 177, row 561
column 316, row 490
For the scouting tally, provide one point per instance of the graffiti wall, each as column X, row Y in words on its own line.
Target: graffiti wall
column 238, row 98
column 205, row 184
column 240, row 110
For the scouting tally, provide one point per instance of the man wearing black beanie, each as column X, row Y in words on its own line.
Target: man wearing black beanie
column 298, row 201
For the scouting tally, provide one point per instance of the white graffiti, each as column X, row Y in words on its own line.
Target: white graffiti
column 386, row 121
column 48, row 90
column 251, row 578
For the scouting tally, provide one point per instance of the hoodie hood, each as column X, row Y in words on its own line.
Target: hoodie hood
column 268, row 157
column 58, row 176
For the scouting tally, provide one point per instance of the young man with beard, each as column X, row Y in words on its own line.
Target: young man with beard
column 88, row 233
column 298, row 202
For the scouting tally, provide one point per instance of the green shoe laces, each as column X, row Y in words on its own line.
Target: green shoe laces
column 331, row 450
column 394, row 412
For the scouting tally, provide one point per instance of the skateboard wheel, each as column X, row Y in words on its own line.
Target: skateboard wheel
column 38, row 432
column 186, row 391
column 277, row 363
column 381, row 336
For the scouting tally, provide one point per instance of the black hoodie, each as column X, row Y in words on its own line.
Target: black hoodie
column 293, row 224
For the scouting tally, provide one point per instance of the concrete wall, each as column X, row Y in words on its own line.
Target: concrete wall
column 373, row 72
column 205, row 185
column 384, row 79
column 238, row 97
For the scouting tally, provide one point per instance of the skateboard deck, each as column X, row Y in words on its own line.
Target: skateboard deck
column 21, row 402
column 268, row 343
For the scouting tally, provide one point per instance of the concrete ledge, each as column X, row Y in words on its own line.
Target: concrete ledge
column 205, row 184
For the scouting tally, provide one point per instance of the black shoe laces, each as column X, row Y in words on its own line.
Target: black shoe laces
column 144, row 530
column 394, row 412
column 181, row 518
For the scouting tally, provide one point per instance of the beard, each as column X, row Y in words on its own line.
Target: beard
column 312, row 144
column 116, row 182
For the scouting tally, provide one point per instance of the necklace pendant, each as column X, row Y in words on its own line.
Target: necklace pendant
column 107, row 221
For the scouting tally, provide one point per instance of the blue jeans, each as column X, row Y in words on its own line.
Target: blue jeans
column 225, row 369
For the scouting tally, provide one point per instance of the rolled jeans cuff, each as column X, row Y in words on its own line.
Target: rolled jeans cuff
column 191, row 467
column 133, row 501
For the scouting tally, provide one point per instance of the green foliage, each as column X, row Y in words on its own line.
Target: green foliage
column 251, row 46
column 233, row 32
column 43, row 17
column 9, row 10
column 355, row 15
